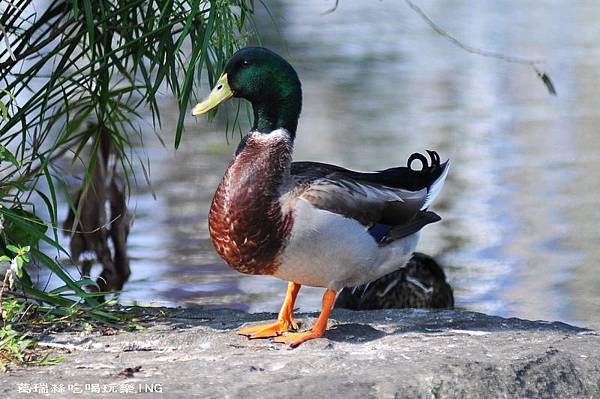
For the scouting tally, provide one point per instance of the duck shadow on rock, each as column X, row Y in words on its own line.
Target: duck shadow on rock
column 359, row 327
column 404, row 321
column 354, row 333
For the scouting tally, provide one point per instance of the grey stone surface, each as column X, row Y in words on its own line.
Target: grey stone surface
column 388, row 353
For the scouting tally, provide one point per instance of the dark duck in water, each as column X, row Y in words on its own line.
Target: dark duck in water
column 308, row 223
column 420, row 284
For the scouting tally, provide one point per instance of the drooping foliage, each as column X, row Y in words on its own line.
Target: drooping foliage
column 82, row 79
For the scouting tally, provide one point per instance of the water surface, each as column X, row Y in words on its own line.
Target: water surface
column 521, row 205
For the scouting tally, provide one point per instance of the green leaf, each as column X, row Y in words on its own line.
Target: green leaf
column 19, row 261
column 75, row 4
column 3, row 110
column 89, row 19
column 12, row 249
column 198, row 55
column 55, row 268
column 6, row 154
column 22, row 228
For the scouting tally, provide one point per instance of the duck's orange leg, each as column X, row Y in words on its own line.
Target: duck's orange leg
column 284, row 322
column 295, row 339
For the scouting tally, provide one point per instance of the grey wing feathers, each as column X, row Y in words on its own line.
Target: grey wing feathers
column 393, row 196
column 365, row 202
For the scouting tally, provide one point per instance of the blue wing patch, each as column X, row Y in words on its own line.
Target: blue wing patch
column 379, row 231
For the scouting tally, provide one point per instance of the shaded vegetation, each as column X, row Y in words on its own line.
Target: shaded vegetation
column 80, row 79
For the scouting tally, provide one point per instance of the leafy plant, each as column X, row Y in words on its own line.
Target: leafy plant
column 76, row 79
column 17, row 347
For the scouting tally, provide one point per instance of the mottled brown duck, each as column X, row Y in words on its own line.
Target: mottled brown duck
column 420, row 284
column 308, row 223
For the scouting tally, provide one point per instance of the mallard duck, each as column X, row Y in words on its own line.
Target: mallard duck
column 307, row 223
column 420, row 284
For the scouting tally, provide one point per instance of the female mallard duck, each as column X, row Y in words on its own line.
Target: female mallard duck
column 420, row 284
column 308, row 223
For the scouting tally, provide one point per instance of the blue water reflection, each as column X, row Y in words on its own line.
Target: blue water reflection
column 521, row 206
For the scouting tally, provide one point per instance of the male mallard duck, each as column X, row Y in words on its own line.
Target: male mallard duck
column 308, row 223
column 420, row 284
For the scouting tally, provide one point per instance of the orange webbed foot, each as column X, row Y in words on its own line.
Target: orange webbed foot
column 285, row 321
column 269, row 330
column 295, row 339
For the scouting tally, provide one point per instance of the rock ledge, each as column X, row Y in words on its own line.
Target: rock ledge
column 387, row 353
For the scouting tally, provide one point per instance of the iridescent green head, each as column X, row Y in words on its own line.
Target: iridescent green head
column 266, row 80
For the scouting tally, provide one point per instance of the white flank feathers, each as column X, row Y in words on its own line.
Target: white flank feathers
column 329, row 250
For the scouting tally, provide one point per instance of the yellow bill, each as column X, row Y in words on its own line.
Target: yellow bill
column 219, row 93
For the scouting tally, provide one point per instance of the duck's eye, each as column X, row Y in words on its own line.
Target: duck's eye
column 245, row 64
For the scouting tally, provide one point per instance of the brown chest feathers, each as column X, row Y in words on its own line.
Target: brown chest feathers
column 246, row 222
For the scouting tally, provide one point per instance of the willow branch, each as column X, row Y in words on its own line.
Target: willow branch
column 533, row 63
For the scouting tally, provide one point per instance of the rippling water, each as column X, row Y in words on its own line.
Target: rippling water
column 521, row 206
